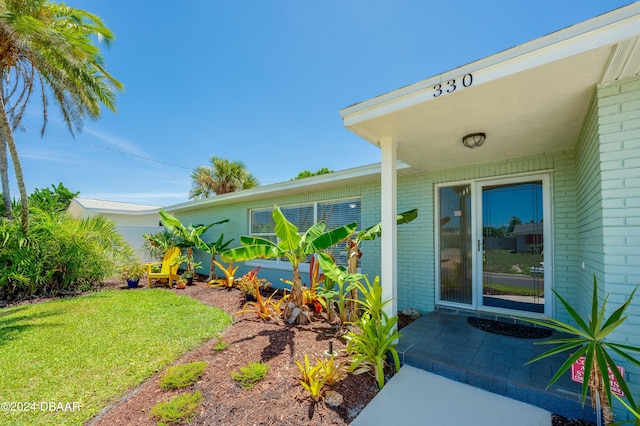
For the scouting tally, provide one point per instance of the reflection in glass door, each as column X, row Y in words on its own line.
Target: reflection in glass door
column 456, row 244
column 513, row 246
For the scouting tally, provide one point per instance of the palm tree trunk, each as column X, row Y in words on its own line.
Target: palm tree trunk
column 4, row 167
column 4, row 177
column 17, row 167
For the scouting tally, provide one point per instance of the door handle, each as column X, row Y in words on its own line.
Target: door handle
column 478, row 245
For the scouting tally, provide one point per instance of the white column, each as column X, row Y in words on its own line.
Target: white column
column 388, row 208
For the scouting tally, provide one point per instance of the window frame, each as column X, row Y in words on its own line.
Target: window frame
column 283, row 264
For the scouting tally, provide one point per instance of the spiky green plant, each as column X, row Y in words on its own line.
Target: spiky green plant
column 588, row 339
column 325, row 372
column 377, row 335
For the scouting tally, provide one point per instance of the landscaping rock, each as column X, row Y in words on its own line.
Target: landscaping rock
column 333, row 398
column 411, row 313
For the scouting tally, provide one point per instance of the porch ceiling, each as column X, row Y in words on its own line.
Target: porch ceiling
column 528, row 100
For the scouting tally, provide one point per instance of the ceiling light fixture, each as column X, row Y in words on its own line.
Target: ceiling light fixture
column 474, row 140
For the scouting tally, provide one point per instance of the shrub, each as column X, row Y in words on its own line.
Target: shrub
column 58, row 254
column 251, row 374
column 183, row 375
column 179, row 408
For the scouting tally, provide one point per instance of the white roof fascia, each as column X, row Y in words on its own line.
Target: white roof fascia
column 603, row 30
column 282, row 188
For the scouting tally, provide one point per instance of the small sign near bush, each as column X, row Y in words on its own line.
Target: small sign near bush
column 577, row 375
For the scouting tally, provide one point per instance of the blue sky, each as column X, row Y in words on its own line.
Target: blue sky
column 262, row 82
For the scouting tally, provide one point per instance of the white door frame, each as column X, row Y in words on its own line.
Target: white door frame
column 476, row 229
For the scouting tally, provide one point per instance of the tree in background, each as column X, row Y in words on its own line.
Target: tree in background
column 56, row 198
column 221, row 177
column 307, row 173
column 52, row 47
column 513, row 222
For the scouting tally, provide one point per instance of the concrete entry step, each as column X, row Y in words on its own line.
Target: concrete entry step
column 417, row 397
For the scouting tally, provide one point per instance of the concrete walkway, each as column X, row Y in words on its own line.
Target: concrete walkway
column 417, row 397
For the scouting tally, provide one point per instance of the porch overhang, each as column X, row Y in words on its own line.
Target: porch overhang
column 529, row 99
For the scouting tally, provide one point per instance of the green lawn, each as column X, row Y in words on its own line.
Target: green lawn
column 84, row 353
column 503, row 261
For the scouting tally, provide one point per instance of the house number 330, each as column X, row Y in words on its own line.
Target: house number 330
column 451, row 85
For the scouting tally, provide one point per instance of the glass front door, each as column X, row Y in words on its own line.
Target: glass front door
column 491, row 244
column 513, row 246
column 456, row 244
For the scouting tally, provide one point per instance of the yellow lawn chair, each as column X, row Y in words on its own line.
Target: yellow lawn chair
column 169, row 269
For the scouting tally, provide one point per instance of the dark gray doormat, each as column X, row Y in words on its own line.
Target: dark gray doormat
column 508, row 329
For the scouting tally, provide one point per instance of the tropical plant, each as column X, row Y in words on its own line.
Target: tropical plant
column 587, row 339
column 214, row 249
column 58, row 254
column 54, row 199
column 376, row 337
column 157, row 244
column 268, row 309
column 249, row 283
column 50, row 46
column 133, row 271
column 336, row 275
column 191, row 265
column 221, row 177
column 353, row 247
column 250, row 374
column 295, row 248
column 229, row 272
column 188, row 236
column 311, row 296
column 57, row 198
column 324, row 373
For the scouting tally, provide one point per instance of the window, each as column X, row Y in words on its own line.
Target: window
column 335, row 213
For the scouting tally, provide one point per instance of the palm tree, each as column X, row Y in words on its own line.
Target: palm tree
column 50, row 47
column 221, row 177
column 4, row 174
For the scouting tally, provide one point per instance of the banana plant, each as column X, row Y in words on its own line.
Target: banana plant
column 295, row 247
column 345, row 281
column 189, row 236
column 214, row 249
column 369, row 234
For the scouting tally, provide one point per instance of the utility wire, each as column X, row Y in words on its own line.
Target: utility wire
column 106, row 148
